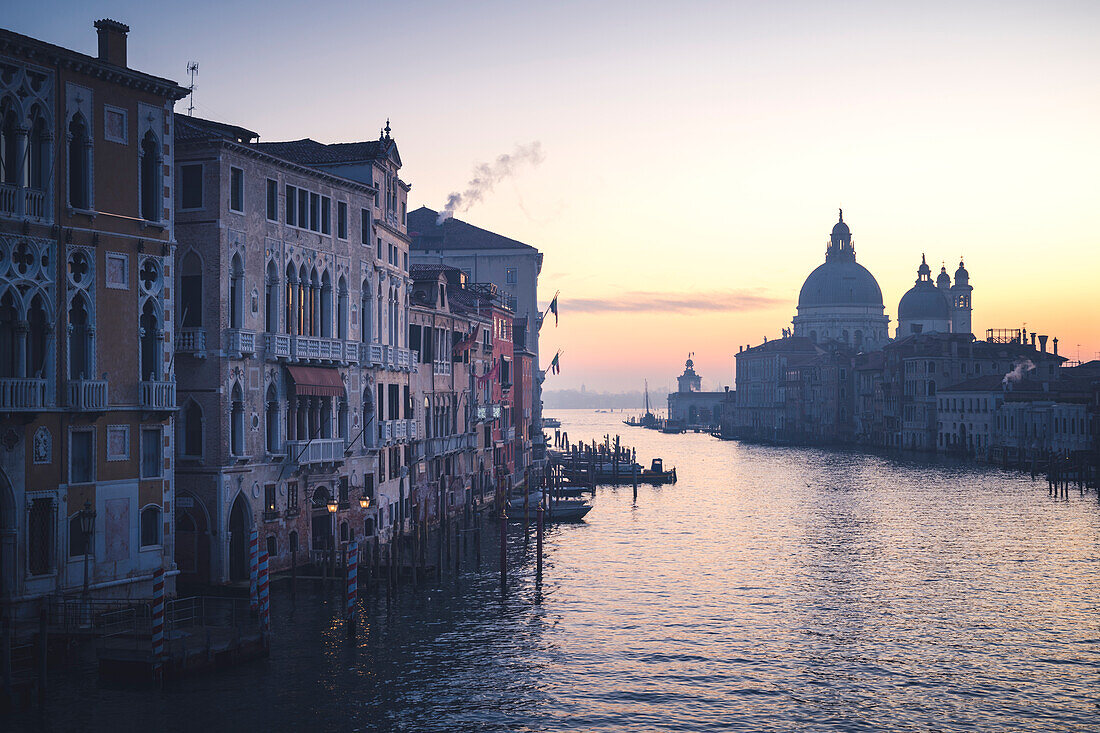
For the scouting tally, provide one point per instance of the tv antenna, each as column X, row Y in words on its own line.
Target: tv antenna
column 193, row 70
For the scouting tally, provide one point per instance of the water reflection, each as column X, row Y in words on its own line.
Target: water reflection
column 770, row 588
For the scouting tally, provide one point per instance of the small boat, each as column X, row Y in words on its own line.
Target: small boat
column 656, row 473
column 573, row 491
column 648, row 420
column 551, row 422
column 568, row 510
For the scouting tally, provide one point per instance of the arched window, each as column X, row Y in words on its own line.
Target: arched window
column 191, row 290
column 271, row 420
column 314, row 304
column 9, row 147
column 9, row 348
column 290, row 303
column 150, row 342
column 326, row 305
column 150, row 526
column 342, row 309
column 271, row 299
column 302, row 302
column 343, row 531
column 192, row 429
column 236, row 422
column 39, row 155
column 236, row 293
column 79, row 150
column 80, row 340
column 366, row 313
column 38, row 327
column 151, row 196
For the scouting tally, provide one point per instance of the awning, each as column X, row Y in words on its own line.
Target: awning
column 316, row 381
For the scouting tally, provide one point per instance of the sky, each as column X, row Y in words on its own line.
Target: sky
column 694, row 153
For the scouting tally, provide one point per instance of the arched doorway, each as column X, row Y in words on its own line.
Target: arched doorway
column 192, row 540
column 321, row 527
column 240, row 522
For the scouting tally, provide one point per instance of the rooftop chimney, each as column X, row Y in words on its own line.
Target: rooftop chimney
column 1043, row 343
column 1032, row 340
column 112, row 41
column 1056, row 346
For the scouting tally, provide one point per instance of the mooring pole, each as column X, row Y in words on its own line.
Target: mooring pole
column 503, row 547
column 538, row 541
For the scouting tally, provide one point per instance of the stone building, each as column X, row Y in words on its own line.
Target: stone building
column 294, row 392
column 486, row 257
column 841, row 300
column 936, row 308
column 761, row 385
column 87, row 387
column 689, row 406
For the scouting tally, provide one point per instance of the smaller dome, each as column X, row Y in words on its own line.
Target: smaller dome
column 924, row 272
column 923, row 302
column 943, row 280
column 962, row 277
column 840, row 229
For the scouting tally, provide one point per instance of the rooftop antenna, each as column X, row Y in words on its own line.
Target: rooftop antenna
column 193, row 70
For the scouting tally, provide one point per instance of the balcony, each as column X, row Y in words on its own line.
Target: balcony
column 370, row 354
column 488, row 412
column 441, row 368
column 34, row 203
column 406, row 360
column 241, row 342
column 18, row 393
column 318, row 450
column 158, row 395
column 510, row 434
column 385, row 433
column 278, row 346
column 399, row 429
column 87, row 394
column 9, row 195
column 351, row 352
column 412, row 429
column 316, row 348
column 192, row 341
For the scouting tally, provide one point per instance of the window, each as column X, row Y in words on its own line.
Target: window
column 272, row 546
column 150, row 526
column 78, row 541
column 236, row 293
column 272, row 200
column 191, row 186
column 364, row 234
column 236, row 189
column 40, row 528
column 378, row 253
column 342, row 490
column 81, row 457
column 326, row 215
column 303, row 208
column 342, row 220
column 236, row 422
column 118, row 442
column 315, row 211
column 151, row 189
column 291, row 205
column 271, row 421
column 510, row 276
column 269, row 498
column 150, row 453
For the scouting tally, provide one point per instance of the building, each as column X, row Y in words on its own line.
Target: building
column 967, row 416
column 690, row 406
column 486, row 257
column 87, row 388
column 761, row 385
column 841, row 300
column 294, row 391
column 936, row 308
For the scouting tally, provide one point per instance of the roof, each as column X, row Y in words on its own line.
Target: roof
column 840, row 281
column 790, row 345
column 454, row 234
column 924, row 300
column 196, row 128
column 310, row 152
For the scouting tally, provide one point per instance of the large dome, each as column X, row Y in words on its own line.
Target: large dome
column 923, row 302
column 840, row 282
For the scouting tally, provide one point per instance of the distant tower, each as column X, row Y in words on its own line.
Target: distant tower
column 961, row 301
column 689, row 380
column 943, row 280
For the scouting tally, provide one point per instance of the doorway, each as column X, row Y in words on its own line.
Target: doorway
column 240, row 521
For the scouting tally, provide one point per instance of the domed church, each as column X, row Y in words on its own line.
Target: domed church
column 938, row 307
column 841, row 300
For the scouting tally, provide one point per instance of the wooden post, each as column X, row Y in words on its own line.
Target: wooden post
column 503, row 547
column 538, row 541
column 635, row 469
column 353, row 584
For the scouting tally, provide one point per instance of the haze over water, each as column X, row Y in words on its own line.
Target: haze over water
column 769, row 589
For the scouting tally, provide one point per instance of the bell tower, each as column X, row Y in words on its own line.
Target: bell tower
column 961, row 293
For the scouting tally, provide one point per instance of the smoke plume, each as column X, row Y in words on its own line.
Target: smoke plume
column 487, row 175
column 1018, row 371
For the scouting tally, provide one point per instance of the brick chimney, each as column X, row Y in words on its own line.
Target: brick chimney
column 1043, row 343
column 112, row 41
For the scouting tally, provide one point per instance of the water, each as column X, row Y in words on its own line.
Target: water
column 770, row 589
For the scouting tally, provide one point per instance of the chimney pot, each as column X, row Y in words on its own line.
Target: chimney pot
column 1043, row 343
column 1056, row 346
column 1033, row 339
column 112, row 41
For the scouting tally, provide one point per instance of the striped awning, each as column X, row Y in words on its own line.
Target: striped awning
column 316, row 381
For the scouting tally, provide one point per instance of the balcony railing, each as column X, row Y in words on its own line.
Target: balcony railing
column 351, row 352
column 35, row 202
column 412, row 429
column 242, row 342
column 158, row 395
column 191, row 341
column 318, row 450
column 19, row 393
column 441, row 368
column 87, row 394
column 385, row 431
column 278, row 345
column 399, row 429
column 317, row 348
column 9, row 195
column 406, row 360
column 488, row 412
column 370, row 354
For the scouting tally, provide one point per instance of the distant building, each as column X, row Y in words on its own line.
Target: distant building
column 936, row 308
column 841, row 300
column 689, row 406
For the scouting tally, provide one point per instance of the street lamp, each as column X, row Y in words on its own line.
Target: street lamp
column 364, row 501
column 332, row 506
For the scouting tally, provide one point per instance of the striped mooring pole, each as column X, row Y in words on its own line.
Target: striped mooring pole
column 353, row 583
column 264, row 596
column 253, row 548
column 158, row 623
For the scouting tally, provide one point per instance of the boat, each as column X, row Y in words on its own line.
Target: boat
column 648, row 420
column 556, row 510
column 551, row 422
column 656, row 473
column 673, row 427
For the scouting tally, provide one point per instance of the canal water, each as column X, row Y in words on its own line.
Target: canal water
column 771, row 588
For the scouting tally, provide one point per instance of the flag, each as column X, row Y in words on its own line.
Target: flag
column 554, row 309
column 555, row 365
column 465, row 344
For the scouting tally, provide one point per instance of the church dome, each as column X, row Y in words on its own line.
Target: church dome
column 943, row 280
column 962, row 277
column 923, row 302
column 840, row 282
column 840, row 229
